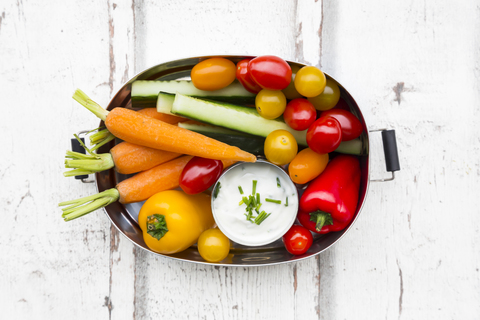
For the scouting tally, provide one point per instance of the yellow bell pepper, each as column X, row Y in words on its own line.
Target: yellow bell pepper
column 172, row 220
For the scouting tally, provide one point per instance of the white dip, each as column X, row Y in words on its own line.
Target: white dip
column 230, row 216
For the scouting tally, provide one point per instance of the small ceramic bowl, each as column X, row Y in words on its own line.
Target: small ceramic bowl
column 278, row 197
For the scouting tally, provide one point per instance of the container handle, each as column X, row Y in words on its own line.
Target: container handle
column 391, row 153
column 77, row 147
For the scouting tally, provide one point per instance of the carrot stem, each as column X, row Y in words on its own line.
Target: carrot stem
column 87, row 164
column 100, row 138
column 91, row 105
column 82, row 206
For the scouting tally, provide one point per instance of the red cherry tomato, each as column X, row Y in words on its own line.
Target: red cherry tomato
column 270, row 72
column 351, row 126
column 244, row 77
column 342, row 104
column 200, row 174
column 297, row 240
column 324, row 135
column 299, row 114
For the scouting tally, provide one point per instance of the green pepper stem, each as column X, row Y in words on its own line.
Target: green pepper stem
column 157, row 226
column 321, row 219
column 79, row 207
column 91, row 105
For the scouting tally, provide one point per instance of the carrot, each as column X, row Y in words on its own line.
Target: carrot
column 125, row 157
column 140, row 129
column 168, row 118
column 145, row 184
column 132, row 158
column 137, row 188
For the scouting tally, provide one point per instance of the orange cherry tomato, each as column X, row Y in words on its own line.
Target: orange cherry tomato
column 213, row 74
column 310, row 81
column 307, row 165
column 328, row 98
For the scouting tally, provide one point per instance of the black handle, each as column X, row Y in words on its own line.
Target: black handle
column 77, row 147
column 390, row 150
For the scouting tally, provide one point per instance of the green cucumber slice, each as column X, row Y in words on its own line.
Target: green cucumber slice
column 144, row 93
column 246, row 142
column 231, row 116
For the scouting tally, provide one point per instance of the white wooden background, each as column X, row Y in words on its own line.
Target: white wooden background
column 411, row 65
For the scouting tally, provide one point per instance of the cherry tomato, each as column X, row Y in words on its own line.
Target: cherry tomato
column 299, row 114
column 280, row 147
column 200, row 174
column 324, row 135
column 213, row 245
column 244, row 77
column 310, row 81
column 270, row 72
column 342, row 104
column 351, row 126
column 328, row 98
column 290, row 92
column 270, row 104
column 307, row 165
column 213, row 74
column 297, row 240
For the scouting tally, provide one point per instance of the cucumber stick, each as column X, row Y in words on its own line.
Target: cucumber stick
column 255, row 144
column 246, row 142
column 231, row 116
column 144, row 92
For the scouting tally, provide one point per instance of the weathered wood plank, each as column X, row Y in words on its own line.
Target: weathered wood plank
column 411, row 66
column 49, row 267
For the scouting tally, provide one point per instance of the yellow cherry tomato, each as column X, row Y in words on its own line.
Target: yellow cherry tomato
column 310, row 81
column 213, row 74
column 270, row 104
column 290, row 92
column 280, row 147
column 213, row 245
column 307, row 165
column 328, row 98
column 172, row 220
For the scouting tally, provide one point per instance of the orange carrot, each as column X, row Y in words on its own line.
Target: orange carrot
column 132, row 158
column 137, row 128
column 125, row 157
column 145, row 184
column 137, row 188
column 168, row 118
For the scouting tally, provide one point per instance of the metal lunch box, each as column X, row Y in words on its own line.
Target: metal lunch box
column 124, row 217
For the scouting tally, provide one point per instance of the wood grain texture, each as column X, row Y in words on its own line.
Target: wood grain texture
column 411, row 66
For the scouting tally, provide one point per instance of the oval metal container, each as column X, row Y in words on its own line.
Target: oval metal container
column 124, row 217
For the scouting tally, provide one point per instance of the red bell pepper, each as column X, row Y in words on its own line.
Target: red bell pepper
column 330, row 200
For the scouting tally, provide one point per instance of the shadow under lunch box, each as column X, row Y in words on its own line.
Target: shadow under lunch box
column 124, row 217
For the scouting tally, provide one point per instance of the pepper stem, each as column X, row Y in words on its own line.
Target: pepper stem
column 156, row 225
column 321, row 219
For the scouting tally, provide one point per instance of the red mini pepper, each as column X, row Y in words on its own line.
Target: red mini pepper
column 330, row 200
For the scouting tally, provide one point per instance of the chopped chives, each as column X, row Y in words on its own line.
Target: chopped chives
column 254, row 189
column 258, row 198
column 217, row 190
column 286, row 202
column 240, row 203
column 273, row 201
column 240, row 189
column 278, row 183
column 261, row 217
